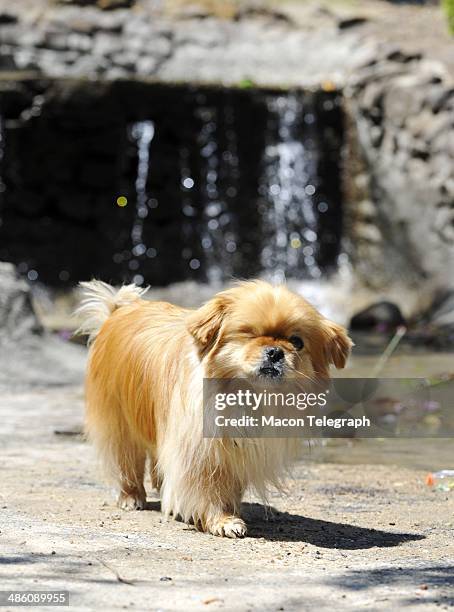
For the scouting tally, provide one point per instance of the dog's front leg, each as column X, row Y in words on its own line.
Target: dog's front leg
column 223, row 518
column 225, row 524
column 209, row 497
column 220, row 504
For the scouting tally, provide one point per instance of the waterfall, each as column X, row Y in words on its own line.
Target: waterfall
column 217, row 159
column 288, row 186
column 283, row 214
column 142, row 132
column 182, row 183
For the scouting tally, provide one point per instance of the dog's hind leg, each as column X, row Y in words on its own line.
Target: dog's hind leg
column 131, row 470
column 123, row 456
column 113, row 423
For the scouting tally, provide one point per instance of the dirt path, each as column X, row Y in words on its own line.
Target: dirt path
column 346, row 537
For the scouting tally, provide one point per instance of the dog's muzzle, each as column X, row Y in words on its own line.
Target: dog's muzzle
column 272, row 364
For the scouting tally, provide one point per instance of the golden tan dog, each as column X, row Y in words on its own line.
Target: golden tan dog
column 144, row 390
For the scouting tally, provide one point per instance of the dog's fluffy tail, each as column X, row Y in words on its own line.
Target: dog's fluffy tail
column 98, row 303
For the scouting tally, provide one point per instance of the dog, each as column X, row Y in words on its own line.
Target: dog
column 144, row 383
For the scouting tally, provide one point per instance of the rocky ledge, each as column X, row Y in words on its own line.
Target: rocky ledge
column 261, row 47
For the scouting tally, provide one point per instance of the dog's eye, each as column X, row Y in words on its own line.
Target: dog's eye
column 297, row 342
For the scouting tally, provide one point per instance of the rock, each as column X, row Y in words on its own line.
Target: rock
column 366, row 209
column 401, row 101
column 439, row 125
column 368, row 231
column 30, row 356
column 17, row 317
column 399, row 56
column 250, row 12
column 79, row 42
column 372, row 74
column 443, row 145
column 104, row 44
column 147, row 65
column 382, row 316
column 438, row 97
column 425, row 125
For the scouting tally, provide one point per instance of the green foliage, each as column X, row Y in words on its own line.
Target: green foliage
column 246, row 84
column 448, row 6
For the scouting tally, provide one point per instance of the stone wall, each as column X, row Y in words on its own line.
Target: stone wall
column 403, row 111
column 261, row 45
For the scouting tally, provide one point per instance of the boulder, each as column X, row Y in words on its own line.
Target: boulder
column 30, row 356
column 382, row 316
column 17, row 317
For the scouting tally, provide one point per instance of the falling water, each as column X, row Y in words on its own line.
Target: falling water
column 218, row 237
column 289, row 182
column 142, row 133
column 284, row 213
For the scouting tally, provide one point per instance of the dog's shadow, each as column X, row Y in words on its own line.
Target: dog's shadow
column 274, row 526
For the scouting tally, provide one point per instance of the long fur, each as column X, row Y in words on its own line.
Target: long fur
column 99, row 301
column 144, row 389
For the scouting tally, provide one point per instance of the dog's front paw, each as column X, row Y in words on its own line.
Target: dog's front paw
column 131, row 502
column 228, row 526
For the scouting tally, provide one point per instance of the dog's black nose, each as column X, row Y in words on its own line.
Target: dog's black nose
column 274, row 353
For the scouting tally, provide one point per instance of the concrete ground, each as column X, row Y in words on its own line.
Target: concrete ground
column 368, row 537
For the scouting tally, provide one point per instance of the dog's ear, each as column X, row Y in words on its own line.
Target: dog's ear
column 337, row 344
column 205, row 323
column 330, row 345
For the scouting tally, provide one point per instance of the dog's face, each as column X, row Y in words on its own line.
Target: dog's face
column 257, row 330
